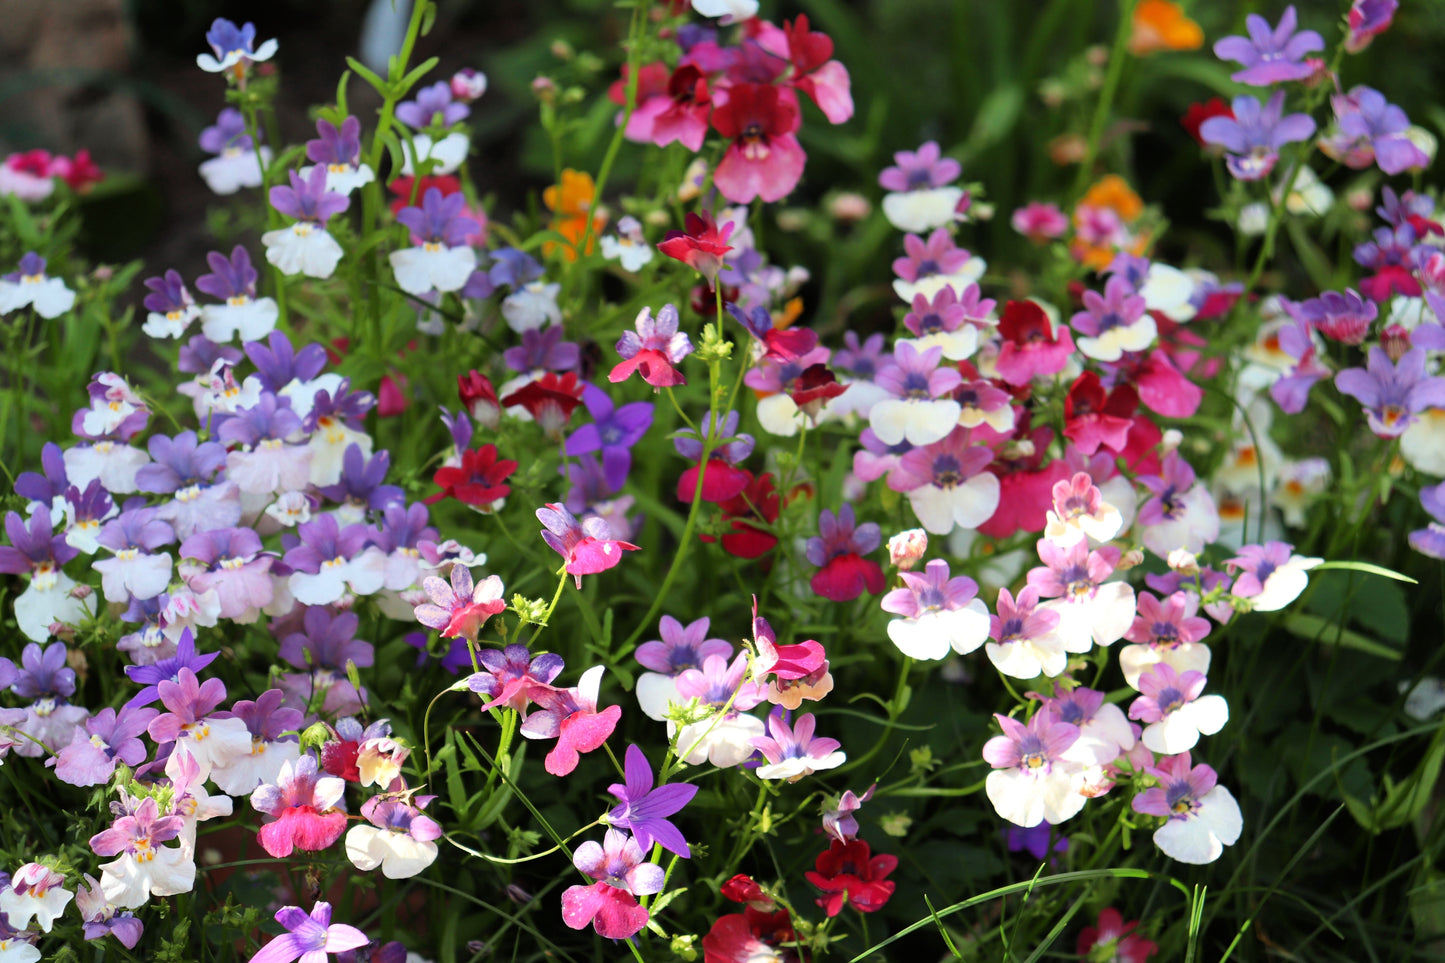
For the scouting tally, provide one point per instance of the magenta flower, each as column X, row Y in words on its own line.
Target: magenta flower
column 588, row 546
column 311, row 938
column 1270, row 56
column 513, row 678
column 938, row 256
column 610, row 904
column 793, row 752
column 460, row 610
column 764, row 159
column 654, row 349
column 1340, row 316
column 1171, row 622
column 572, row 718
column 920, row 169
column 838, row 552
column 1368, row 19
column 1025, row 641
column 1254, row 135
column 644, row 809
column 303, row 804
column 1031, row 345
column 1393, row 394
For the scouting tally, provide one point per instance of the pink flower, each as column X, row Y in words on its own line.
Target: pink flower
column 764, row 159
column 701, row 245
column 304, row 806
column 1031, row 346
column 1040, row 222
column 571, row 717
column 588, row 546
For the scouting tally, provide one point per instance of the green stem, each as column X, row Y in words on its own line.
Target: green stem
column 1117, row 56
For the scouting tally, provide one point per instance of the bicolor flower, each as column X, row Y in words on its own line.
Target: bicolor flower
column 946, row 483
column 654, row 349
column 1033, row 781
column 460, row 610
column 191, row 721
column 793, row 752
column 1366, row 20
column 572, row 718
column 30, row 287
column 1201, row 816
column 303, row 804
column 938, row 613
column 919, row 196
column 1165, row 631
column 305, row 247
column 1254, row 135
column 764, row 159
column 35, row 892
column 724, row 738
column 441, row 259
column 233, row 48
column 622, row 874
column 950, row 321
column 680, row 649
column 143, row 867
column 1181, row 513
column 1393, row 393
column 838, row 552
column 1032, row 346
column 233, row 281
column 1273, row 576
column 310, row 938
column 107, row 739
column 587, row 546
column 401, row 839
column 337, row 151
column 1114, row 322
column 238, row 159
column 1174, row 710
column 921, row 409
column 929, row 266
column 1024, row 640
column 701, row 245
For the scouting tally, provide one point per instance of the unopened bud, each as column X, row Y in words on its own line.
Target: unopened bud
column 1184, row 562
column 468, row 85
column 906, row 548
column 849, row 206
column 562, row 50
column 1131, row 558
column 544, row 89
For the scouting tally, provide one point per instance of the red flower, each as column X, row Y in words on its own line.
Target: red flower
column 764, row 159
column 721, row 481
column 846, row 870
column 750, row 936
column 1126, row 944
column 1032, row 346
column 846, row 576
column 391, row 399
column 1199, row 113
column 815, row 387
column 700, row 245
column 402, row 187
column 480, row 399
column 754, row 506
column 1094, row 418
column 80, row 172
column 742, row 888
column 550, row 400
column 479, row 480
column 1026, row 483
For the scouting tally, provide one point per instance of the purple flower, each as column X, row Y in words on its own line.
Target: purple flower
column 360, row 486
column 49, row 486
column 179, row 462
column 1254, row 135
column 681, row 647
column 865, row 359
column 36, row 550
column 1372, row 128
column 335, row 146
column 433, row 107
column 543, row 349
column 718, row 683
column 655, row 348
column 1430, row 540
column 644, row 810
column 310, row 938
column 511, row 674
column 199, row 355
column 231, row 278
column 308, row 199
column 44, row 678
column 613, row 431
column 278, row 363
column 794, row 752
column 101, row 918
column 106, row 739
column 839, row 822
column 326, row 642
column 1202, row 817
column 439, row 220
column 227, row 134
column 233, row 47
column 1367, row 19
column 1034, row 841
column 166, row 670
column 919, row 170
column 1393, row 394
column 230, row 561
column 734, row 447
column 1270, row 56
column 513, row 268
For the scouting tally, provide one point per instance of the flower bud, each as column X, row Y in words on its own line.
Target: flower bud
column 1184, row 562
column 906, row 548
column 468, row 85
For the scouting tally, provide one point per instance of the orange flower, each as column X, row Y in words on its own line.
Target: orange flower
column 571, row 201
column 1113, row 192
column 1103, row 223
column 1162, row 25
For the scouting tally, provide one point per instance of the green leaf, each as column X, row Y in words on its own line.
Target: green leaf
column 997, row 115
column 367, row 75
column 1367, row 568
column 1315, row 629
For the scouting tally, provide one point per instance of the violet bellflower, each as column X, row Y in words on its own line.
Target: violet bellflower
column 310, row 938
column 644, row 809
column 1271, row 55
column 1254, row 135
column 441, row 259
column 306, row 247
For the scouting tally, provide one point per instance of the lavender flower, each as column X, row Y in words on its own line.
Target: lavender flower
column 1372, row 129
column 1270, row 56
column 106, row 739
column 433, row 107
column 233, row 47
column 792, row 752
column 311, row 938
column 1393, row 394
column 1254, row 135
column 614, row 431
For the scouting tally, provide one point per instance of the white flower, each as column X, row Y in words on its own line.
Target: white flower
column 343, row 178
column 234, row 169
column 1423, row 443
column 172, row 324
column 398, row 854
column 1168, row 290
column 936, row 632
column 363, row 575
column 918, row 212
column 967, row 505
column 1201, row 837
column 627, row 246
column 448, row 154
column 921, row 421
column 48, row 296
column 734, row 10
column 971, row 271
column 534, row 306
column 433, row 266
column 44, row 898
column 1097, row 617
column 46, row 601
column 251, row 318
column 303, row 248
column 129, row 882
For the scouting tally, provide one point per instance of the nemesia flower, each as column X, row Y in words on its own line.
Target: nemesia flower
column 305, row 247
column 946, row 483
column 1040, row 222
column 681, row 648
column 643, row 809
column 212, row 738
column 1181, row 513
column 1390, row 254
column 512, row 677
column 1176, row 712
column 588, row 546
column 938, row 613
column 28, row 175
column 479, row 481
column 1273, row 575
column 1254, row 135
column 303, row 804
column 839, row 822
column 1091, row 611
column 337, row 151
column 906, row 548
column 233, row 48
column 441, row 259
column 310, row 938
column 37, row 551
column 549, row 400
column 35, row 891
column 1161, row 25
column 838, row 551
column 233, row 281
column 1430, row 540
column 1366, row 20
column 655, row 349
column 1024, row 641
column 724, row 738
column 920, row 409
column 1095, row 419
column 610, row 905
column 1115, row 937
column 572, row 718
column 1393, row 393
column 400, row 839
column 628, row 247
column 929, row 266
column 1079, row 513
column 108, row 738
column 849, row 872
column 1032, row 780
column 268, row 721
column 30, row 287
column 1104, row 733
column 700, row 245
column 459, row 610
column 919, row 198
column 764, row 159
column 613, row 432
column 1340, row 316
column 1371, row 130
column 143, row 867
column 238, row 161
column 1202, row 816
column 1270, row 55
column 1165, row 631
column 1032, row 345
column 1113, row 323
column 100, row 916
column 793, row 752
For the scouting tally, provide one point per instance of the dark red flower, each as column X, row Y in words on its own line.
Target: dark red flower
column 848, row 871
column 1127, row 945
column 479, row 480
column 756, row 505
column 700, row 245
column 550, row 400
column 721, row 481
column 1094, row 418
column 815, row 387
column 742, row 888
column 480, row 399
column 402, row 187
column 1026, row 482
column 750, row 936
column 1198, row 113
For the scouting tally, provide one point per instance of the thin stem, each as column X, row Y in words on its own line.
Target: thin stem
column 1106, row 96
